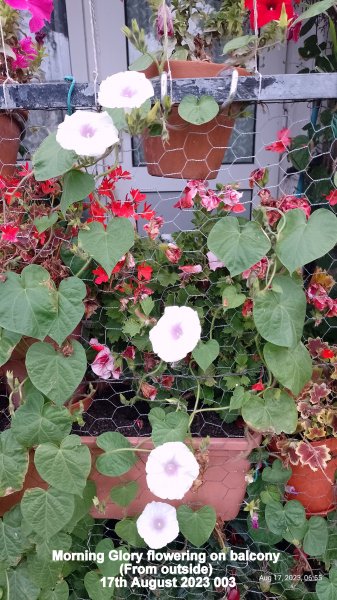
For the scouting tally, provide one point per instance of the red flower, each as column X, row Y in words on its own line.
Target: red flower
column 153, row 226
column 149, row 391
column 268, row 10
column 332, row 198
column 247, row 308
column 167, row 381
column 259, row 177
column 102, row 276
column 259, row 270
column 137, row 196
column 119, row 265
column 193, row 188
column 9, row 233
column 173, row 253
column 284, row 140
column 122, row 209
column 96, row 211
column 144, row 272
column 147, row 213
column 40, row 237
column 50, row 187
column 327, row 353
column 258, row 387
column 129, row 352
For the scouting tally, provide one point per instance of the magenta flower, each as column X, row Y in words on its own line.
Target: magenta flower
column 25, row 54
column 255, row 520
column 164, row 14
column 40, row 10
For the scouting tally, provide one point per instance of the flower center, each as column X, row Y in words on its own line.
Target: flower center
column 176, row 331
column 158, row 524
column 87, row 131
column 171, row 468
column 128, row 92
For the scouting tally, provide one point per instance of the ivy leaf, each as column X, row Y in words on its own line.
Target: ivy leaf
column 13, row 463
column 70, row 308
column 279, row 312
column 31, row 297
column 205, row 353
column 44, row 223
column 197, row 525
column 132, row 327
column 118, row 457
column 238, row 245
column 77, row 185
column 277, row 473
column 47, row 511
column 51, row 160
column 198, row 110
column 168, row 427
column 292, row 367
column 302, row 241
column 55, row 375
column 316, row 538
column 107, row 246
column 35, row 422
column 125, row 493
column 8, row 341
column 274, row 412
column 147, row 305
column 126, row 529
column 66, row 467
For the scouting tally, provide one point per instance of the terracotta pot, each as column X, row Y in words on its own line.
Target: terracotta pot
column 193, row 151
column 12, row 126
column 223, row 484
column 316, row 489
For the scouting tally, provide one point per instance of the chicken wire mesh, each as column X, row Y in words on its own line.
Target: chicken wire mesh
column 154, row 273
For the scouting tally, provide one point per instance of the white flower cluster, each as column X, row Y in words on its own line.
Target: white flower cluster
column 89, row 133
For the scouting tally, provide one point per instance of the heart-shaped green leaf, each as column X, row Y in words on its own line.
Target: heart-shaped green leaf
column 107, row 246
column 12, row 540
column 231, row 298
column 118, row 456
column 43, row 570
column 47, row 511
column 197, row 525
column 205, row 353
column 109, row 568
column 301, row 241
column 326, row 589
column 44, row 223
column 95, row 590
column 51, row 160
column 83, row 506
column 31, row 298
column 281, row 519
column 279, row 312
column 124, row 494
column 20, row 583
column 35, row 422
column 316, row 538
column 65, row 467
column 238, row 245
column 59, row 592
column 274, row 412
column 277, row 473
column 8, row 341
column 292, row 367
column 168, row 427
column 13, row 463
column 70, row 308
column 77, row 185
column 55, row 375
column 127, row 531
column 198, row 110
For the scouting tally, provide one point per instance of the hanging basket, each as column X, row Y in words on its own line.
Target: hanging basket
column 12, row 130
column 193, row 151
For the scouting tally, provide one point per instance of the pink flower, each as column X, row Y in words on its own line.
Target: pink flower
column 210, row 201
column 247, row 308
column 258, row 387
column 153, row 226
column 289, row 202
column 149, row 391
column 258, row 270
column 193, row 188
column 317, row 295
column 231, row 200
column 284, row 140
column 104, row 364
column 9, row 233
column 40, row 10
column 191, row 269
column 129, row 352
column 255, row 520
column 259, row 177
column 213, row 262
column 173, row 253
column 164, row 14
column 332, row 198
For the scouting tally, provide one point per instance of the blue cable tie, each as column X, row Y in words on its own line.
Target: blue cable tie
column 70, row 92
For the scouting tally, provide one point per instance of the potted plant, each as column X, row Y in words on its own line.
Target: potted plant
column 20, row 60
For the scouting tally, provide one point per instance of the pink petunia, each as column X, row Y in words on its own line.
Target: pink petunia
column 40, row 10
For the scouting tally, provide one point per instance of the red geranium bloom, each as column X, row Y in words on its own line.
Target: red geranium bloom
column 332, row 198
column 129, row 352
column 96, row 211
column 147, row 213
column 327, row 353
column 283, row 142
column 102, row 276
column 9, row 233
column 137, row 196
column 144, row 272
column 40, row 237
column 258, row 387
column 122, row 209
column 268, row 10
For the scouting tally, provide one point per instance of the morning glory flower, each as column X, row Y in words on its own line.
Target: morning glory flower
column 158, row 524
column 87, row 133
column 128, row 89
column 176, row 334
column 171, row 470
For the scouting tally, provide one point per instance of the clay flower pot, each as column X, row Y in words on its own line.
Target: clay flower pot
column 316, row 490
column 12, row 127
column 223, row 482
column 193, row 151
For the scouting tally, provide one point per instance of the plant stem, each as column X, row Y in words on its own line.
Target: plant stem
column 213, row 322
column 83, row 268
column 195, row 409
column 211, row 409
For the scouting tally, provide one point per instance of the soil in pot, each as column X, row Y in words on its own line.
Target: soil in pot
column 193, row 151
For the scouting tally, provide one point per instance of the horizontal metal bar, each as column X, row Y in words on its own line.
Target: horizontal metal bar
column 267, row 88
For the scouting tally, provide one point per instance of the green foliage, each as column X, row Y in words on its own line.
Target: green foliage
column 196, row 525
column 274, row 412
column 8, row 341
column 13, row 463
column 292, row 367
column 205, row 353
column 77, row 185
column 118, row 456
column 107, row 246
column 124, row 493
column 126, row 529
column 168, row 426
column 51, row 160
column 198, row 110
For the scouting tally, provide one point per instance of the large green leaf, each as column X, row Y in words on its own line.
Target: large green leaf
column 83, row 505
column 65, row 467
column 238, row 42
column 238, row 245
column 168, row 427
column 77, row 185
column 301, row 241
column 47, row 511
column 292, row 367
column 51, row 160
column 20, row 584
column 127, row 530
column 118, row 457
column 8, row 341
column 70, row 308
column 95, row 589
column 28, row 302
column 198, row 110
column 12, row 540
column 285, row 519
column 13, row 463
column 277, row 473
column 205, row 353
column 35, row 422
column 107, row 246
column 196, row 525
column 54, row 374
column 43, row 570
column 279, row 312
column 326, row 589
column 316, row 9
column 124, row 493
column 274, row 412
column 109, row 567
column 59, row 592
column 316, row 538
column 45, row 222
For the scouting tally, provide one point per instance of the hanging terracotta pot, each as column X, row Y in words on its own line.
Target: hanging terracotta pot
column 12, row 129
column 193, row 151
column 316, row 490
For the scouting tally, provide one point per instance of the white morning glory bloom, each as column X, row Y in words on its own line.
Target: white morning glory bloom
column 171, row 470
column 87, row 133
column 158, row 524
column 176, row 334
column 128, row 89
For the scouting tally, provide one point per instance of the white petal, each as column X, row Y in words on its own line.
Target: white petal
column 128, row 89
column 158, row 513
column 185, row 321
column 101, row 133
column 161, row 480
